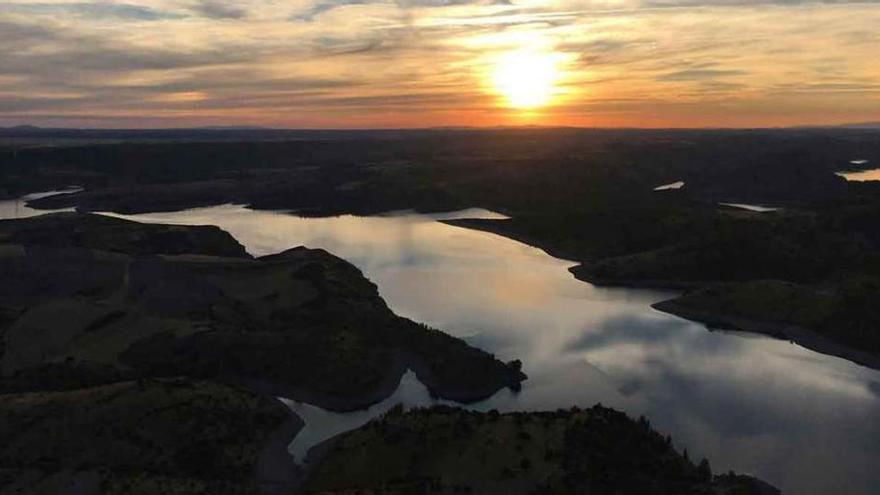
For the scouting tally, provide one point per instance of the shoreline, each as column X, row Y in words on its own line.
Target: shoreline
column 498, row 227
column 275, row 470
column 402, row 362
column 329, row 402
column 661, row 284
column 578, row 270
column 801, row 336
column 804, row 337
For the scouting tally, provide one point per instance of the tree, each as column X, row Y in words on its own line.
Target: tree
column 705, row 470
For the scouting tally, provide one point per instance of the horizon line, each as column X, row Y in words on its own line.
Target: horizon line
column 247, row 128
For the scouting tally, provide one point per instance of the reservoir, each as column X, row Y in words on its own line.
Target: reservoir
column 806, row 422
column 861, row 175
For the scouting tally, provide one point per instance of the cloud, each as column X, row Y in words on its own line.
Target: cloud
column 310, row 62
column 829, row 87
column 215, row 9
column 320, row 7
column 748, row 3
column 93, row 10
column 699, row 74
column 433, row 3
column 90, row 54
column 14, row 34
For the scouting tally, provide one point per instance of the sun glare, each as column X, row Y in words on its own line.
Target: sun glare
column 526, row 79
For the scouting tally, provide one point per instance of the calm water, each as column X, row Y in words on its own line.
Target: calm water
column 672, row 185
column 18, row 209
column 750, row 207
column 803, row 421
column 862, row 175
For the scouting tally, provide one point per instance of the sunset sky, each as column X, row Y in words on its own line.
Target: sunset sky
column 423, row 63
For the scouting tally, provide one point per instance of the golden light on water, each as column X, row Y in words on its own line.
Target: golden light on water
column 526, row 79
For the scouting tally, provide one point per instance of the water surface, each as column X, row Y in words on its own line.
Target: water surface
column 751, row 207
column 806, row 422
column 17, row 208
column 861, row 175
column 672, row 185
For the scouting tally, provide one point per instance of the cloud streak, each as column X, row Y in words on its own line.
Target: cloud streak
column 89, row 10
column 214, row 9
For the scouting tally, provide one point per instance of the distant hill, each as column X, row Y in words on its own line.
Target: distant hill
column 233, row 127
column 22, row 128
column 211, row 133
column 59, row 135
column 862, row 125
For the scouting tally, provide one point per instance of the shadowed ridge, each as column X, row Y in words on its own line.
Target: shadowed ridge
column 71, row 229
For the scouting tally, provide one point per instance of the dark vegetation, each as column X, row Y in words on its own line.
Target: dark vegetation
column 843, row 321
column 586, row 195
column 447, row 450
column 63, row 230
column 526, row 171
column 170, row 436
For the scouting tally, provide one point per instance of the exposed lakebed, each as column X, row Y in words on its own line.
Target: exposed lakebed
column 806, row 422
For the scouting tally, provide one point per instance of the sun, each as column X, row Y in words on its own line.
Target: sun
column 526, row 79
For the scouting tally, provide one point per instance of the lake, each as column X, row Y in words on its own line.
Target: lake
column 861, row 175
column 805, row 422
column 672, row 185
column 750, row 207
column 17, row 208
